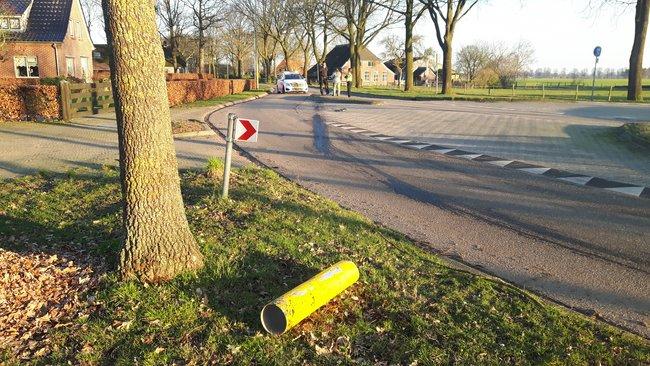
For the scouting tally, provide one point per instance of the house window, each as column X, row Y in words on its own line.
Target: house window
column 4, row 23
column 85, row 70
column 366, row 76
column 69, row 64
column 71, row 29
column 26, row 66
column 14, row 23
column 78, row 31
column 371, row 64
column 384, row 77
column 375, row 77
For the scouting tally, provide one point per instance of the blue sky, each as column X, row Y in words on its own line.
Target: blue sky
column 563, row 32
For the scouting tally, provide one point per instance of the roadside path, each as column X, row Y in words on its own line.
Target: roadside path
column 89, row 142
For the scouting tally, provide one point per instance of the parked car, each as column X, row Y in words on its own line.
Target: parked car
column 291, row 82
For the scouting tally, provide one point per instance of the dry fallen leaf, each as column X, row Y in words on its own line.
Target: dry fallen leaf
column 39, row 292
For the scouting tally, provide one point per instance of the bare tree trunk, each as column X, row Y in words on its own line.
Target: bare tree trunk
column 408, row 45
column 635, row 81
column 355, row 62
column 447, row 85
column 158, row 244
column 305, row 65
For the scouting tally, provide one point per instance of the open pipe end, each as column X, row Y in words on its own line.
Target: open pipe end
column 273, row 319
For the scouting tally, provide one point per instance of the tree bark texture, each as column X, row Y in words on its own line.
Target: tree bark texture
column 447, row 82
column 635, row 81
column 158, row 244
column 408, row 45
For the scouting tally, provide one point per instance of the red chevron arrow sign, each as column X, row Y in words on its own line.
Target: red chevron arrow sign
column 246, row 130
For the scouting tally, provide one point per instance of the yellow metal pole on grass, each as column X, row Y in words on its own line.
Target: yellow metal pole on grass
column 291, row 308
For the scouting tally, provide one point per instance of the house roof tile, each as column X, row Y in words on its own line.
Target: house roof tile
column 340, row 54
column 48, row 21
column 14, row 7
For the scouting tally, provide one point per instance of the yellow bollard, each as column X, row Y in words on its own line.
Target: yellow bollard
column 291, row 308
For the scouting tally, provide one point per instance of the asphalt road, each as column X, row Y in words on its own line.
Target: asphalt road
column 575, row 137
column 584, row 247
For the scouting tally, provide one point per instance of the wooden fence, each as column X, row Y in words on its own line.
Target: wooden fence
column 85, row 99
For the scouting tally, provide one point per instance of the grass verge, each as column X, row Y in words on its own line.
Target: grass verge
column 224, row 99
column 407, row 308
column 493, row 95
column 638, row 132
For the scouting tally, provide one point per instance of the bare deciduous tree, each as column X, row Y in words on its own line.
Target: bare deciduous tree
column 173, row 23
column 364, row 20
column 158, row 244
column 260, row 14
column 319, row 15
column 395, row 51
column 410, row 11
column 445, row 15
column 471, row 59
column 509, row 63
column 283, row 26
column 205, row 15
column 238, row 41
column 92, row 11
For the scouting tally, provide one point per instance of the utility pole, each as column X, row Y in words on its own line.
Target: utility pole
column 436, row 66
column 256, row 59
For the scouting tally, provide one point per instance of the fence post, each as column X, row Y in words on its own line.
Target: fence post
column 513, row 90
column 93, row 98
column 66, row 99
column 543, row 91
column 490, row 91
column 609, row 97
column 577, row 90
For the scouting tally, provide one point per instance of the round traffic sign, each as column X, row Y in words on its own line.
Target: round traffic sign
column 597, row 51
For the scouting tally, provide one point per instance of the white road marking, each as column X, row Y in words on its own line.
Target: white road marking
column 470, row 156
column 419, row 146
column 443, row 151
column 501, row 163
column 634, row 191
column 383, row 138
column 577, row 180
column 539, row 171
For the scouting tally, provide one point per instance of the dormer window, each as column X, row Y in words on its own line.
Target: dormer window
column 9, row 23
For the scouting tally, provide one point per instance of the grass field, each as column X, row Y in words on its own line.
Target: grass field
column 408, row 307
column 582, row 81
column 639, row 132
column 496, row 94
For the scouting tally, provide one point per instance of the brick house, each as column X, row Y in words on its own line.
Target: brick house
column 45, row 38
column 373, row 70
column 424, row 70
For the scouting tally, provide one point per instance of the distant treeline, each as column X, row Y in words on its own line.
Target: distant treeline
column 601, row 73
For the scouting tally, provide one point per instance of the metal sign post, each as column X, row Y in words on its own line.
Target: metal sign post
column 226, row 169
column 597, row 51
column 240, row 130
